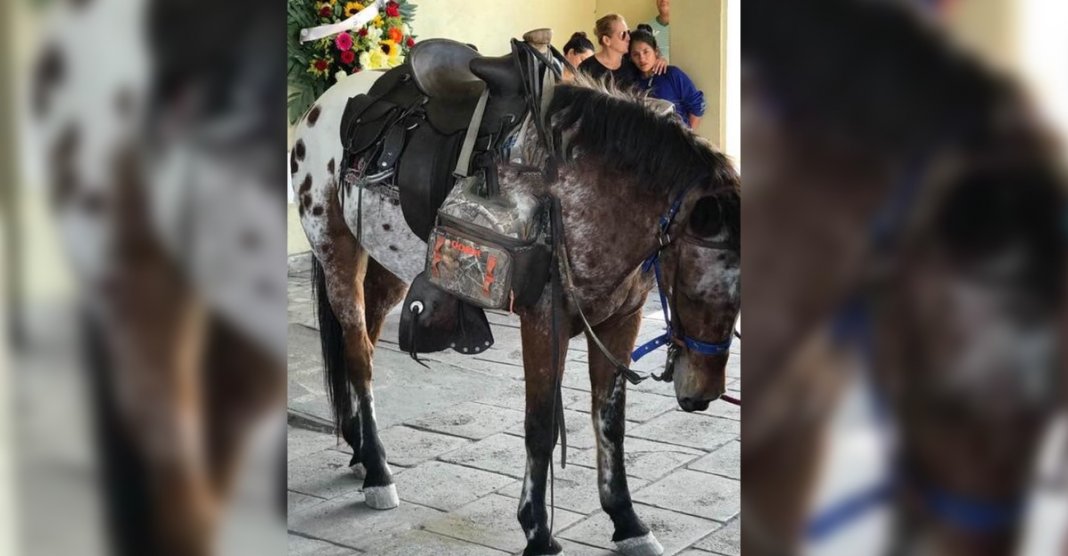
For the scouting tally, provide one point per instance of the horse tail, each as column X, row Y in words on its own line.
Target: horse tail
column 332, row 341
column 129, row 511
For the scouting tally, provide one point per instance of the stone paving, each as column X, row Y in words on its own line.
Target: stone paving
column 454, row 437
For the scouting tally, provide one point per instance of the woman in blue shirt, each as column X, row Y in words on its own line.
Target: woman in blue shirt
column 673, row 85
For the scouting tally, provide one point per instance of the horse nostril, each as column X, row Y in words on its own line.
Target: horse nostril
column 690, row 405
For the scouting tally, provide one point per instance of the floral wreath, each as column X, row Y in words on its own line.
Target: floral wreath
column 313, row 67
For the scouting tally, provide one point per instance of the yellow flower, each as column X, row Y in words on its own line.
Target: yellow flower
column 351, row 8
column 378, row 59
column 331, row 2
column 378, row 21
column 390, row 49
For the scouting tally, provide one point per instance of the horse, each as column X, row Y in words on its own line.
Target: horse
column 920, row 228
column 162, row 204
column 623, row 158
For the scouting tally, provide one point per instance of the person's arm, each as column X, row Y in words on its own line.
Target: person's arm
column 693, row 100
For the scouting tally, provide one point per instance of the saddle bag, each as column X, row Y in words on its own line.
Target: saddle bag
column 491, row 252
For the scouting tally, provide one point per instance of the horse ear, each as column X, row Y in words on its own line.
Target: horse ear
column 706, row 219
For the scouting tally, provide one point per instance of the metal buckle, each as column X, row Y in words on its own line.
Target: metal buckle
column 669, row 364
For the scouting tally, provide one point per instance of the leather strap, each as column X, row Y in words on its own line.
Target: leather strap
column 464, row 162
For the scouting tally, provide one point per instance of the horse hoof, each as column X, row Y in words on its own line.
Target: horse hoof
column 553, row 545
column 381, row 498
column 645, row 545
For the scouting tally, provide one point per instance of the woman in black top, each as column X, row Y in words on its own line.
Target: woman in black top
column 614, row 37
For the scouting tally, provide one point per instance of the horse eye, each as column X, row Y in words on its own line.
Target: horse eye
column 706, row 219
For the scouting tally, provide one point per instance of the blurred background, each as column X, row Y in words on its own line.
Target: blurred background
column 894, row 151
column 144, row 274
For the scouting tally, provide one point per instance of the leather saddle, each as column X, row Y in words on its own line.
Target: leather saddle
column 414, row 119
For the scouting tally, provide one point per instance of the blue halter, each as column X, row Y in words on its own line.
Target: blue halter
column 669, row 336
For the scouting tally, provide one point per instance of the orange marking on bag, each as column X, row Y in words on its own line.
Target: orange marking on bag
column 488, row 279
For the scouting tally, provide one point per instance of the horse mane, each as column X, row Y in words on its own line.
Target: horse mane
column 625, row 133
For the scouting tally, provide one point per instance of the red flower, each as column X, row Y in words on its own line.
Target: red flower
column 363, row 32
column 411, row 42
column 322, row 64
column 392, row 9
column 343, row 42
column 348, row 57
column 325, row 11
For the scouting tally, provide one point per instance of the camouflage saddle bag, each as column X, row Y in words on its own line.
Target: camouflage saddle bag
column 492, row 252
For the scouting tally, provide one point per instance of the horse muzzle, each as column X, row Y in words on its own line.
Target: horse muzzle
column 699, row 380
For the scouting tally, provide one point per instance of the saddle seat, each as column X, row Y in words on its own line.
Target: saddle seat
column 440, row 69
column 498, row 73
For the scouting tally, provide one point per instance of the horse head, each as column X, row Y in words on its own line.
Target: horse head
column 702, row 279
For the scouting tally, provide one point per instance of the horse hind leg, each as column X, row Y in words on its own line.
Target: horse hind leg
column 243, row 384
column 347, row 353
column 382, row 291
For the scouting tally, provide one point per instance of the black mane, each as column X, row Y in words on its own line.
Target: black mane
column 628, row 137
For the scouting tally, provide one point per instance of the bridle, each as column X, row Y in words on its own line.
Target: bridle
column 674, row 335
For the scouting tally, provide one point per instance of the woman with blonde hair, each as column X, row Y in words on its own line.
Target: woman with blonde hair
column 613, row 58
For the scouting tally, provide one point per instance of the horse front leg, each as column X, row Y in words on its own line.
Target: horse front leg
column 540, row 373
column 609, row 397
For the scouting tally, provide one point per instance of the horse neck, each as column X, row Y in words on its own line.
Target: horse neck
column 610, row 224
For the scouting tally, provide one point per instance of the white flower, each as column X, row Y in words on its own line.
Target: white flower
column 375, row 34
column 365, row 60
column 340, row 75
column 405, row 29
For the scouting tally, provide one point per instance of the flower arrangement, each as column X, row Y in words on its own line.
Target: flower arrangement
column 316, row 65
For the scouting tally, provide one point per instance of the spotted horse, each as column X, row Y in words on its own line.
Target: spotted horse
column 163, row 204
column 633, row 189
